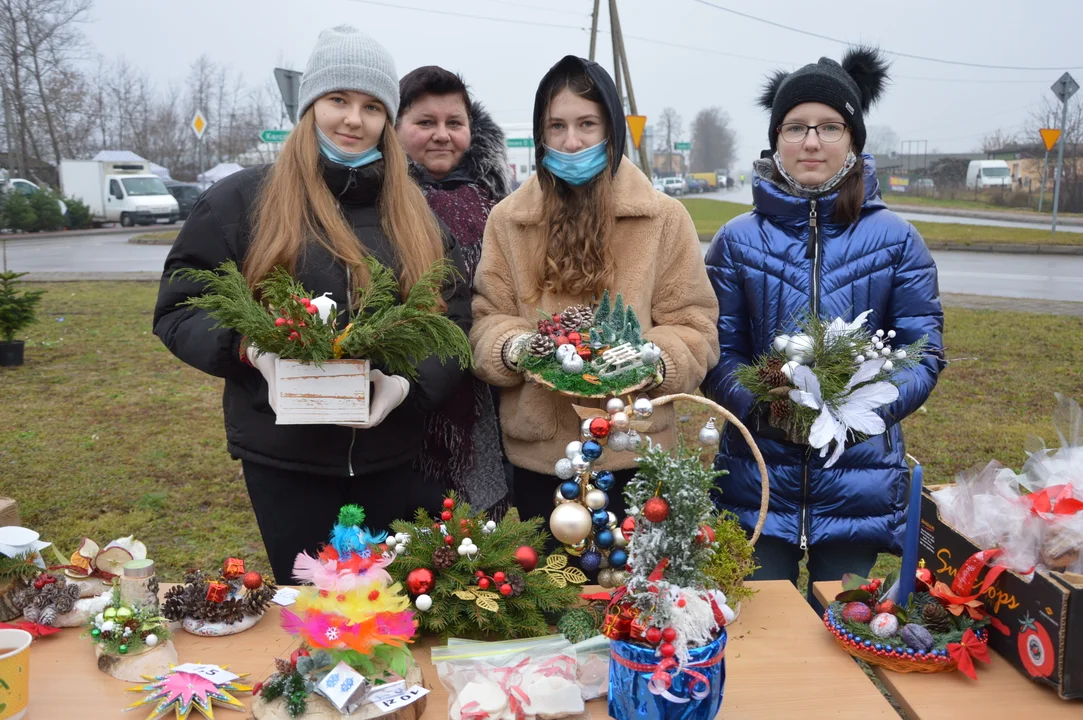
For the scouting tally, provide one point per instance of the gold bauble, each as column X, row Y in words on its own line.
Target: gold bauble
column 570, row 523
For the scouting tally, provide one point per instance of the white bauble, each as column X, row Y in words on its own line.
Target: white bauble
column 618, row 538
column 574, row 448
column 901, row 354
column 859, row 359
column 619, row 420
column 799, row 345
column 570, row 523
column 780, row 343
column 566, row 351
column 888, row 366
column 789, row 368
column 151, row 640
column 572, row 365
column 596, row 499
column 614, row 405
column 424, row 602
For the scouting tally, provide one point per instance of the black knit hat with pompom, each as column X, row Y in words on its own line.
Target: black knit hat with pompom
column 850, row 87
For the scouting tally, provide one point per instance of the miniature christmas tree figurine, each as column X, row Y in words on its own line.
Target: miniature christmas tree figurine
column 669, row 627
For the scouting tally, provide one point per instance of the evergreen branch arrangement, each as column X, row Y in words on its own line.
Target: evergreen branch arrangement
column 19, row 568
column 591, row 352
column 393, row 335
column 295, row 679
column 123, row 630
column 832, row 372
column 733, row 559
column 473, row 577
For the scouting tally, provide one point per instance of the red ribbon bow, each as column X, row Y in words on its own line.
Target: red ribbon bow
column 1055, row 500
column 955, row 599
column 966, row 651
column 31, row 627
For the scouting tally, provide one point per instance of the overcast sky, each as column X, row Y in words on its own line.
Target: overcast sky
column 682, row 53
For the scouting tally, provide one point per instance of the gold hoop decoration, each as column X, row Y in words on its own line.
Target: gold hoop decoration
column 765, row 492
column 647, row 382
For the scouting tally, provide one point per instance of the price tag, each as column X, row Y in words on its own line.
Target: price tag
column 402, row 700
column 385, row 692
column 214, row 673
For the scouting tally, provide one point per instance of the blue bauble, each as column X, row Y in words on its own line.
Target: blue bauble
column 592, row 450
column 590, row 561
column 600, row 518
column 569, row 490
column 604, row 480
column 618, row 559
column 604, row 539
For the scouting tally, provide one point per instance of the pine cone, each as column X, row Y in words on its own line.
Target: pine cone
column 32, row 613
column 771, row 373
column 47, row 616
column 541, row 346
column 781, row 409
column 65, row 601
column 132, row 624
column 937, row 618
column 518, row 584
column 443, row 558
column 576, row 318
column 283, row 666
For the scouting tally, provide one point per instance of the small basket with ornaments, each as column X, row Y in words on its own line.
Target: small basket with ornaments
column 591, row 352
column 230, row 603
column 938, row 629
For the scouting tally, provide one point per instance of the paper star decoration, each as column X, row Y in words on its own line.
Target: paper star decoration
column 183, row 691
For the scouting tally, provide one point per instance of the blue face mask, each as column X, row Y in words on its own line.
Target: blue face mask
column 350, row 159
column 576, row 168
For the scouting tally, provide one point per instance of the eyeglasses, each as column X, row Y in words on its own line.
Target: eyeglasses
column 828, row 132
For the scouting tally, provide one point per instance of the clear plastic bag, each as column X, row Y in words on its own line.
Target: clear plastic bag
column 510, row 680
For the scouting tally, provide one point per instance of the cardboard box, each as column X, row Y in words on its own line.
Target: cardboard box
column 336, row 392
column 1044, row 614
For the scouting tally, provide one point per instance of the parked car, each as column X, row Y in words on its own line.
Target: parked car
column 675, row 186
column 695, row 184
column 27, row 188
column 658, row 185
column 186, row 195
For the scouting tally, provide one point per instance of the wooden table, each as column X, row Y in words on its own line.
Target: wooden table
column 780, row 663
column 1001, row 691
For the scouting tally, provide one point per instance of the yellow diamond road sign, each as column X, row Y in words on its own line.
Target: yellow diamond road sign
column 199, row 124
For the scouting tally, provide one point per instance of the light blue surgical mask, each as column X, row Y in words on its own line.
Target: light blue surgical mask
column 576, row 168
column 350, row 159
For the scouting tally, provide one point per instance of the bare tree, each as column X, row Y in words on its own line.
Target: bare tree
column 998, row 140
column 713, row 140
column 881, row 140
column 669, row 128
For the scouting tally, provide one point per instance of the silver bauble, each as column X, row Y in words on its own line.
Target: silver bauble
column 573, row 449
column 584, row 430
column 619, row 420
column 564, row 469
column 612, row 519
column 580, row 464
column 596, row 499
column 618, row 442
column 572, row 365
column 566, row 351
column 709, row 434
column 643, row 407
column 614, row 405
column 605, row 578
column 618, row 538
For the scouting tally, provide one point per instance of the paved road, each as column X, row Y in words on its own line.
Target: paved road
column 744, row 196
column 1005, row 275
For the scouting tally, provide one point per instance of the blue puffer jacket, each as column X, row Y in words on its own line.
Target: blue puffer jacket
column 759, row 267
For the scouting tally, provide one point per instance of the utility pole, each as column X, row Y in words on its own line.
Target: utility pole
column 594, row 30
column 618, row 46
column 613, row 24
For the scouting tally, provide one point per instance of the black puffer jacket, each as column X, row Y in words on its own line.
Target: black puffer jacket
column 219, row 229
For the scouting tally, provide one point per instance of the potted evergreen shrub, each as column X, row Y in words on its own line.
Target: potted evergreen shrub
column 17, row 312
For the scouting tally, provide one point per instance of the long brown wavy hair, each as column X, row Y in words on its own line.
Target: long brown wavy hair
column 577, row 221
column 295, row 207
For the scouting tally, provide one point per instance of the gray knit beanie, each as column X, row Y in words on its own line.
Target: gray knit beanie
column 347, row 59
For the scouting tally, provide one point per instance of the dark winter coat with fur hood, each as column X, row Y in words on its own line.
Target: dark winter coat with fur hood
column 462, row 444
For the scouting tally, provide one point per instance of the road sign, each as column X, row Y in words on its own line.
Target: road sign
column 274, row 136
column 636, row 123
column 520, row 142
column 289, row 84
column 682, row 146
column 1065, row 87
column 1049, row 137
column 199, row 124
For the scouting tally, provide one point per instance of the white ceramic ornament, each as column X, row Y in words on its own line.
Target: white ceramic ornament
column 619, row 420
column 614, row 405
column 572, row 365
column 884, row 625
column 564, row 469
column 324, row 305
column 643, row 407
column 566, row 351
column 596, row 499
column 780, row 343
column 570, row 523
column 490, row 699
column 574, row 448
column 789, row 368
column 423, row 603
column 799, row 345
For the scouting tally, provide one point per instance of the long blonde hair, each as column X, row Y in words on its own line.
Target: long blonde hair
column 295, row 206
column 577, row 221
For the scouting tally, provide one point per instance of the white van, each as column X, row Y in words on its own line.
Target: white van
column 124, row 192
column 981, row 174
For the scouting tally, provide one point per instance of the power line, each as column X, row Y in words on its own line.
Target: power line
column 535, row 23
column 543, row 8
column 890, row 52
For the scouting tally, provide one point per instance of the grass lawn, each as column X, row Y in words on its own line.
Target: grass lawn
column 157, row 237
column 710, row 215
column 103, row 433
column 962, row 203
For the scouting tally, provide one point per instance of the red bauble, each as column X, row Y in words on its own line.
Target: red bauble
column 653, row 635
column 448, row 540
column 480, row 574
column 705, row 536
column 449, row 503
column 420, row 581
column 628, row 526
column 667, row 650
column 446, row 515
column 575, row 338
column 656, row 510
column 527, row 557
column 483, row 583
column 299, row 652
column 599, row 427
column 505, row 590
column 669, row 635
column 252, row 580
column 856, row 612
column 499, row 577
column 560, row 340
column 279, row 322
